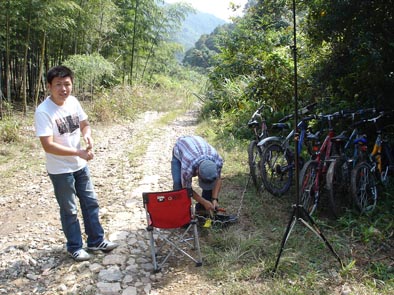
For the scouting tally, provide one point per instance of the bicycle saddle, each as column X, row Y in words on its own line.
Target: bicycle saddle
column 340, row 137
column 280, row 126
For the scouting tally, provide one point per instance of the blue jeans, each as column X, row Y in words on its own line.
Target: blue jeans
column 67, row 187
column 177, row 180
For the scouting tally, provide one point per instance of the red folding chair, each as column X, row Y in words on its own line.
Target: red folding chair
column 170, row 217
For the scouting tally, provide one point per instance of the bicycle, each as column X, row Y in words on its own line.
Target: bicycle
column 344, row 160
column 278, row 158
column 258, row 124
column 311, row 175
column 377, row 168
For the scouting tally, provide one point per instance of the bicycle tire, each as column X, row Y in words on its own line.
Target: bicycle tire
column 308, row 195
column 364, row 187
column 276, row 169
column 387, row 164
column 254, row 161
column 338, row 180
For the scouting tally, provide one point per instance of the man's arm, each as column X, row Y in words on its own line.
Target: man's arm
column 207, row 204
column 52, row 147
column 215, row 192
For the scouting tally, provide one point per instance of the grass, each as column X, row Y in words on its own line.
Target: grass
column 243, row 256
column 18, row 145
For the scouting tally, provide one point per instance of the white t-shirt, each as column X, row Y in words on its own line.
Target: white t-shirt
column 63, row 123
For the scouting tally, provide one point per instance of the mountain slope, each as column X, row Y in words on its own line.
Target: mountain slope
column 196, row 25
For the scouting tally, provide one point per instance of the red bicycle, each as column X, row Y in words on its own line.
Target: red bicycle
column 313, row 172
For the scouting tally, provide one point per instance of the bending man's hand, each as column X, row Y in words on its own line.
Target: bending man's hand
column 209, row 206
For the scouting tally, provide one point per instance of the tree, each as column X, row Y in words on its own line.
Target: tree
column 88, row 70
column 357, row 39
column 38, row 34
column 202, row 54
column 255, row 52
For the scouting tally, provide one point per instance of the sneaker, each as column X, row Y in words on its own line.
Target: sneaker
column 226, row 218
column 105, row 246
column 80, row 255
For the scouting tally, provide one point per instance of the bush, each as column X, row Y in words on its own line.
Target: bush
column 114, row 106
column 9, row 130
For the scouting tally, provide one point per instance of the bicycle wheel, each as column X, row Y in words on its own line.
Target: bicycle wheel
column 338, row 179
column 277, row 169
column 309, row 186
column 387, row 172
column 254, row 159
column 364, row 189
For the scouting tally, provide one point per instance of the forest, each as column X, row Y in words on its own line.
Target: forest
column 105, row 42
column 345, row 50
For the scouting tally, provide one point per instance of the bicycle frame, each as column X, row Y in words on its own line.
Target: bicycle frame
column 260, row 129
column 380, row 154
column 303, row 127
column 313, row 171
column 278, row 158
column 381, row 158
column 377, row 152
column 347, row 153
column 282, row 126
column 359, row 142
column 366, row 172
column 322, row 156
column 285, row 142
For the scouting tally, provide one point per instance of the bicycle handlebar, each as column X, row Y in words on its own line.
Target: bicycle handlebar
column 328, row 117
column 382, row 114
column 301, row 111
column 257, row 113
column 310, row 117
column 307, row 108
column 286, row 118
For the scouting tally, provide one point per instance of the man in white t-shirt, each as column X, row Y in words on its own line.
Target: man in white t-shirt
column 59, row 122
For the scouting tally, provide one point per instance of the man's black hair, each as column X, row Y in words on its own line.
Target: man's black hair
column 59, row 71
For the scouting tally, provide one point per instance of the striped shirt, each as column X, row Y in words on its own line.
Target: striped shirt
column 190, row 151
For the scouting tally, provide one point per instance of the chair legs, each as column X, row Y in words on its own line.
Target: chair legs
column 167, row 213
column 197, row 243
column 180, row 242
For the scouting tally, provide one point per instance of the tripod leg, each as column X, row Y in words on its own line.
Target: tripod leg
column 314, row 228
column 289, row 228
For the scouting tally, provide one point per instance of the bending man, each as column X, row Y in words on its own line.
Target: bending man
column 193, row 156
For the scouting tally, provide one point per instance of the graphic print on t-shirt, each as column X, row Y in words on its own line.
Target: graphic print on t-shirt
column 67, row 124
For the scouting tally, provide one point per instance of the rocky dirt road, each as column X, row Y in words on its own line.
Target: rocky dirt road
column 33, row 259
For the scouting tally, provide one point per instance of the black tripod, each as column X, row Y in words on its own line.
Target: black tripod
column 299, row 212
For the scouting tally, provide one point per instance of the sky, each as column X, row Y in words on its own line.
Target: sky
column 219, row 8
